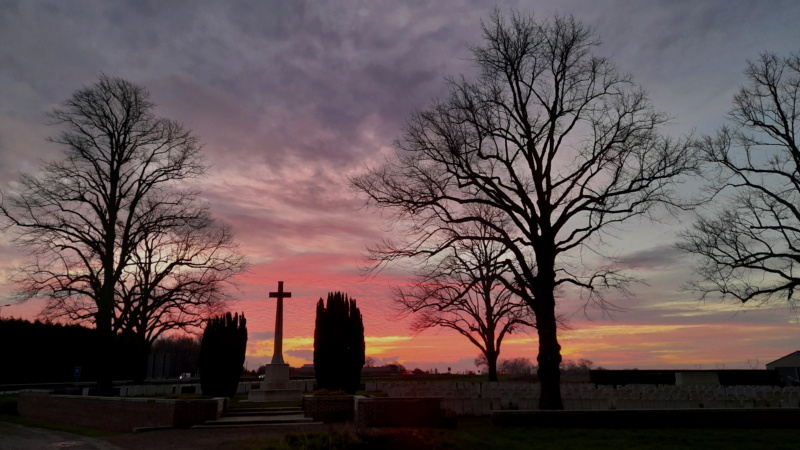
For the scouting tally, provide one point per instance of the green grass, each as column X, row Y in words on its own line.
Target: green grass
column 479, row 433
column 8, row 405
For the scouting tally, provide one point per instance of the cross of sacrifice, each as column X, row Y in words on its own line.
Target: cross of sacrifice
column 277, row 354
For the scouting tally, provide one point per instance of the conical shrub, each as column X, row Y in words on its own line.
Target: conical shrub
column 222, row 353
column 339, row 346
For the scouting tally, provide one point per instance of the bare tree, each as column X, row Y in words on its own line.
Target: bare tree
column 176, row 279
column 86, row 219
column 549, row 136
column 481, row 362
column 581, row 368
column 749, row 247
column 517, row 366
column 463, row 291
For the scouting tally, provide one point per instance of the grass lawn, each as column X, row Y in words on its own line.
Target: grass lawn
column 479, row 433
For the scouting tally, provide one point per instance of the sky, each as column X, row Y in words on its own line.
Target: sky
column 290, row 98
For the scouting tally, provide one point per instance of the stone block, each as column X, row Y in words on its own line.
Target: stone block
column 274, row 395
column 329, row 409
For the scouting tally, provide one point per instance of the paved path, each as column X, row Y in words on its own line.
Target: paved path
column 18, row 437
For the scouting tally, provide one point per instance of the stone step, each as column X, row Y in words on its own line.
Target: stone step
column 285, row 419
column 263, row 411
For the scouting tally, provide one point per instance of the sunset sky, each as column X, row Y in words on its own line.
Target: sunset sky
column 292, row 97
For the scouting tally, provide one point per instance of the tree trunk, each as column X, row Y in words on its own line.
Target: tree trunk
column 491, row 362
column 549, row 358
column 105, row 351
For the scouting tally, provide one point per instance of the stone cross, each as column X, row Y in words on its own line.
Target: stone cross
column 277, row 354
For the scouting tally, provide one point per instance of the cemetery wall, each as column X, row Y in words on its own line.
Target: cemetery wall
column 115, row 413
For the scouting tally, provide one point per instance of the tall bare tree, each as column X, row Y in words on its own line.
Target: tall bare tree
column 88, row 219
column 463, row 290
column 749, row 247
column 176, row 279
column 549, row 136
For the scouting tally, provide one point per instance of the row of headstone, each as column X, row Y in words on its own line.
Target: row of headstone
column 479, row 398
column 150, row 390
column 405, row 389
column 749, row 389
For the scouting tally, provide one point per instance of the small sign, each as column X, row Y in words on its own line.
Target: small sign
column 76, row 372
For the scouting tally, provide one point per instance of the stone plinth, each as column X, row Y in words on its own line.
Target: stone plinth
column 274, row 395
column 276, row 386
column 276, row 376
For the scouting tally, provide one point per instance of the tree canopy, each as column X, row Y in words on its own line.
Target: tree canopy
column 115, row 239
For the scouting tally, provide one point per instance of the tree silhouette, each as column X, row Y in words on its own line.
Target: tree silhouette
column 463, row 290
column 339, row 348
column 552, row 138
column 88, row 220
column 748, row 240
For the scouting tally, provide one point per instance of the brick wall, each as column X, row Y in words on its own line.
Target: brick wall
column 397, row 412
column 116, row 414
column 335, row 408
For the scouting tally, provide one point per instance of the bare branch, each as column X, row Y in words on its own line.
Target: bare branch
column 748, row 246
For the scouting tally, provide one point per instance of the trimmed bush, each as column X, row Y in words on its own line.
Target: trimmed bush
column 338, row 344
column 222, row 354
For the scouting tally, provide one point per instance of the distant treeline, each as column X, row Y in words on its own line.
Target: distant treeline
column 173, row 356
column 38, row 352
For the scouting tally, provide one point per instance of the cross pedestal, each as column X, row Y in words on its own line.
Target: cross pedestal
column 276, row 386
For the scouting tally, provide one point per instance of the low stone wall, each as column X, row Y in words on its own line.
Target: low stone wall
column 117, row 414
column 687, row 418
column 328, row 409
column 400, row 412
column 377, row 411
